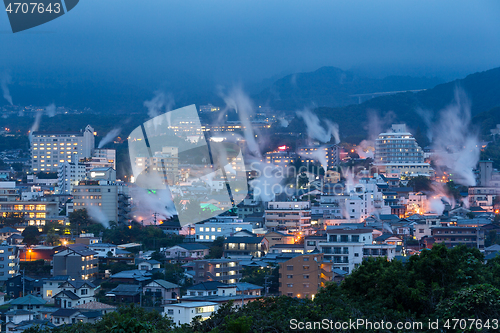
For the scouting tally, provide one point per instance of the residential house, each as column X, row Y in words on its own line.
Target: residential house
column 74, row 293
column 77, row 261
column 7, row 232
column 148, row 265
column 275, row 237
column 52, row 286
column 126, row 293
column 15, row 286
column 65, row 316
column 41, row 324
column 29, row 302
column 15, row 316
column 133, row 277
column 222, row 270
column 243, row 246
column 95, row 306
column 183, row 253
column 162, row 291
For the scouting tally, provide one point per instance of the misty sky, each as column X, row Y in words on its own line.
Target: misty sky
column 221, row 41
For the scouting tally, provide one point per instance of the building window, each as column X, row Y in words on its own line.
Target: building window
column 289, row 268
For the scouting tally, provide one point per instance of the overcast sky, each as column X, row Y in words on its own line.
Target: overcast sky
column 250, row 40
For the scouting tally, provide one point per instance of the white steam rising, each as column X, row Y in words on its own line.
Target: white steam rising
column 456, row 145
column 97, row 215
column 51, row 110
column 238, row 101
column 316, row 131
column 109, row 137
column 160, row 103
column 4, row 84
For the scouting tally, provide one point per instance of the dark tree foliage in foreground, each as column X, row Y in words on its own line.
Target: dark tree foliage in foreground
column 438, row 284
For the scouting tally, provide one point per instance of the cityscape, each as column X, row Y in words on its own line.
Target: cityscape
column 319, row 200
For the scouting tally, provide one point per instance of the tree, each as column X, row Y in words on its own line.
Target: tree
column 30, row 235
column 217, row 248
column 79, row 219
column 11, row 219
column 52, row 238
column 420, row 183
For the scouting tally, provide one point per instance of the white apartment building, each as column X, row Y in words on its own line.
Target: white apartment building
column 346, row 247
column 289, row 215
column 209, row 231
column 35, row 212
column 310, row 154
column 69, row 175
column 397, row 152
column 358, row 202
column 105, row 198
column 9, row 192
column 184, row 313
column 50, row 149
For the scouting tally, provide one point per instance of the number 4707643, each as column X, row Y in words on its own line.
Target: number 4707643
column 33, row 7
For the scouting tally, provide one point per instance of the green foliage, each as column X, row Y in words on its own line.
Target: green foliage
column 30, row 234
column 217, row 248
column 438, row 283
column 480, row 301
column 11, row 219
column 151, row 237
column 420, row 183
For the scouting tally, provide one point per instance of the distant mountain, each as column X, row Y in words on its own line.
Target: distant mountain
column 482, row 89
column 333, row 87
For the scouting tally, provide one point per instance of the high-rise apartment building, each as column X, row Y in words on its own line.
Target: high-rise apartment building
column 50, row 149
column 69, row 175
column 313, row 154
column 397, row 152
column 104, row 198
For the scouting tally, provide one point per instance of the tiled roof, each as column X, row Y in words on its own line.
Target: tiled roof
column 28, row 300
column 94, row 306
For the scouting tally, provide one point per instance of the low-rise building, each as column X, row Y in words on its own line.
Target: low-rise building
column 244, row 246
column 222, row 270
column 184, row 313
column 303, row 275
column 77, row 261
column 162, row 292
column 291, row 216
column 9, row 262
column 183, row 253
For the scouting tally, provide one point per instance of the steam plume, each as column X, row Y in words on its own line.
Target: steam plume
column 109, row 137
column 456, row 145
column 51, row 110
column 316, row 131
column 160, row 101
column 4, row 82
column 97, row 215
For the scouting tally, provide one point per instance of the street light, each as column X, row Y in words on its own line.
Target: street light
column 29, row 251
